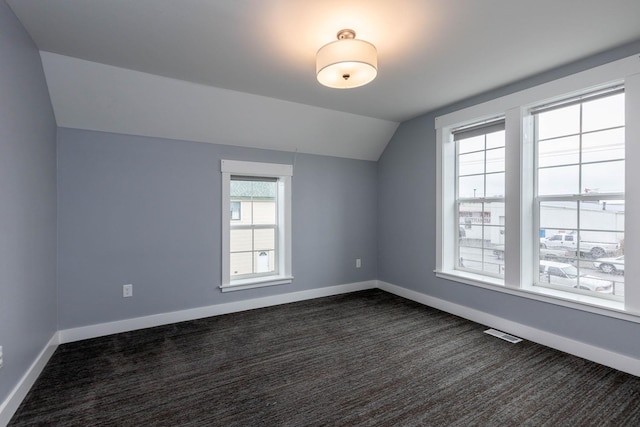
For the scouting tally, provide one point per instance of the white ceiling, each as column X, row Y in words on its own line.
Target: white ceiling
column 243, row 52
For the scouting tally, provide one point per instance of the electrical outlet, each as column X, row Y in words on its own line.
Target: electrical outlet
column 0, row 356
column 127, row 291
column 358, row 263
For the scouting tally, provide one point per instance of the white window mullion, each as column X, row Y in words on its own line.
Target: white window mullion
column 518, row 198
column 446, row 215
column 632, row 194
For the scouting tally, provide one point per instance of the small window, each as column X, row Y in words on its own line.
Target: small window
column 257, row 230
column 253, row 239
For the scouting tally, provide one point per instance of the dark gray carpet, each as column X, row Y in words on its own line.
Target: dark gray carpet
column 367, row 358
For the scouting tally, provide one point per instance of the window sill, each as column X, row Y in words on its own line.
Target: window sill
column 586, row 303
column 471, row 278
column 239, row 285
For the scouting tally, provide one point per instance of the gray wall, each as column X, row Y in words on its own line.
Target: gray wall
column 406, row 255
column 147, row 211
column 27, row 204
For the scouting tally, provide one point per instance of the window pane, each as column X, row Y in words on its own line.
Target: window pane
column 493, row 245
column 264, row 239
column 258, row 199
column 240, row 240
column 471, row 234
column 471, row 144
column 243, row 215
column 573, row 277
column 607, row 177
column 495, row 185
column 559, row 151
column 265, row 261
column 241, row 263
column 558, row 217
column 470, row 247
column 602, row 215
column 482, row 259
column 565, row 255
column 471, row 214
column 264, row 211
column 594, row 284
column 472, row 163
column 598, row 244
column 471, row 186
column 563, row 241
column 493, row 264
column 495, row 160
column 560, row 122
column 609, row 268
column 481, row 237
column 603, row 113
column 493, row 237
column 604, row 145
column 558, row 180
column 495, row 139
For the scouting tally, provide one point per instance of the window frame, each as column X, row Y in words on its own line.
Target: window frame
column 283, row 174
column 521, row 245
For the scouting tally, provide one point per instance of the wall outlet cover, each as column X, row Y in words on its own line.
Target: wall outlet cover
column 127, row 291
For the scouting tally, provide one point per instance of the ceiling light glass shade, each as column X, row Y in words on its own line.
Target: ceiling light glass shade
column 346, row 63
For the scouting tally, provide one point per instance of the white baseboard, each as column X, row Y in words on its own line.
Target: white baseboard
column 102, row 329
column 17, row 395
column 577, row 348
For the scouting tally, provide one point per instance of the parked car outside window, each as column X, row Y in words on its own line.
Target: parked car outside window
column 610, row 265
column 562, row 274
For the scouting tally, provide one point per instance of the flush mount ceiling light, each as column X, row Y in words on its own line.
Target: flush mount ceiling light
column 347, row 62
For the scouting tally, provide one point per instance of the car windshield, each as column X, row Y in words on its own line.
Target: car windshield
column 571, row 272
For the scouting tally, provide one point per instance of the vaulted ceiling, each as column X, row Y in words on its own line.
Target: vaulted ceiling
column 242, row 72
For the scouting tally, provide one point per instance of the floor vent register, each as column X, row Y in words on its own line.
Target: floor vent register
column 503, row 336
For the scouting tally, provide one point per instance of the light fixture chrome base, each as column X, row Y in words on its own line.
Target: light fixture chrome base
column 346, row 34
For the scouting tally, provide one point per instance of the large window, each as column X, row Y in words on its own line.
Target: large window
column 536, row 192
column 580, row 153
column 256, row 224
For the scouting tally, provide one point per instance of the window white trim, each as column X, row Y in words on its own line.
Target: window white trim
column 519, row 192
column 284, row 175
column 632, row 193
